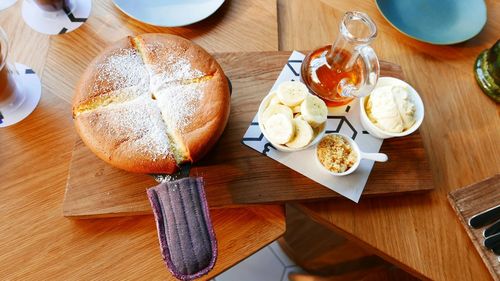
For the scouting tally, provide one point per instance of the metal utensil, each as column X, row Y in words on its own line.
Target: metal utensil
column 486, row 217
column 496, row 251
column 183, row 172
column 492, row 229
column 492, row 242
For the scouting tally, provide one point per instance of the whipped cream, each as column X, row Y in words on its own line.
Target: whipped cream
column 391, row 109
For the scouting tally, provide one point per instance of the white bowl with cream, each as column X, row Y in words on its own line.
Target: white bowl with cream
column 383, row 84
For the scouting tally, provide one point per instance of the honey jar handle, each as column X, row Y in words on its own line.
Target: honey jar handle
column 371, row 72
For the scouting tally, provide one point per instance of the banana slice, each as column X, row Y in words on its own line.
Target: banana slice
column 314, row 110
column 279, row 128
column 274, row 99
column 296, row 109
column 276, row 109
column 303, row 134
column 292, row 93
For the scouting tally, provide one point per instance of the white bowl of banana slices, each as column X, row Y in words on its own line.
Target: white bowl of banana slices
column 291, row 118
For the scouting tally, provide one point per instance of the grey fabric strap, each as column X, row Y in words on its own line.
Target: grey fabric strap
column 187, row 239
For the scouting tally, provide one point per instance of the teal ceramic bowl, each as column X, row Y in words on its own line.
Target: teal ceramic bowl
column 440, row 22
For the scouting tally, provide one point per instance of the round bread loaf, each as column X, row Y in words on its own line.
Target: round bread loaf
column 149, row 103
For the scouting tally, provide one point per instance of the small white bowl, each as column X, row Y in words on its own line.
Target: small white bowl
column 376, row 131
column 263, row 105
column 378, row 157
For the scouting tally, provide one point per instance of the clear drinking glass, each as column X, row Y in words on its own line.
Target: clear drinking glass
column 20, row 89
column 347, row 69
column 8, row 86
column 53, row 8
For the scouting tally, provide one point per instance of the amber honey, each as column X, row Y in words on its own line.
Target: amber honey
column 322, row 72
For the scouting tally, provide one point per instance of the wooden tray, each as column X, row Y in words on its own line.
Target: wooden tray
column 471, row 200
column 234, row 173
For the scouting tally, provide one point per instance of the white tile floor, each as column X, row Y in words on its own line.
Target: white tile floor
column 268, row 264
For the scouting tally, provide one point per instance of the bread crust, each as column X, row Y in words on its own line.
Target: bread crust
column 130, row 149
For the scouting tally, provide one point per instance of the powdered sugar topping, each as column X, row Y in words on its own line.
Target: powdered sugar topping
column 153, row 99
column 136, row 125
column 178, row 103
column 124, row 68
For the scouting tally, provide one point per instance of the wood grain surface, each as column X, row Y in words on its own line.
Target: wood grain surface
column 336, row 258
column 461, row 132
column 36, row 241
column 419, row 232
column 95, row 189
column 471, row 200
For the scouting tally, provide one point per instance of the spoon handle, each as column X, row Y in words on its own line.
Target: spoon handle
column 378, row 157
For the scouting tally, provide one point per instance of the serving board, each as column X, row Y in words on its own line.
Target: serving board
column 235, row 174
column 474, row 199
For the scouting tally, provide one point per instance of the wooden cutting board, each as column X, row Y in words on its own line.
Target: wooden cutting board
column 234, row 173
column 474, row 199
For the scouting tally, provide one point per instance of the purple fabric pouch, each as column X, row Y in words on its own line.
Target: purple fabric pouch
column 187, row 239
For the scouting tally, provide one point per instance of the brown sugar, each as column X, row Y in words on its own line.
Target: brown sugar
column 336, row 154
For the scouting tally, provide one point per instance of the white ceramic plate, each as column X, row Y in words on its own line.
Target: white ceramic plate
column 169, row 13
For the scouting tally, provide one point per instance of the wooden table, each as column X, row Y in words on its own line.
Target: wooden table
column 461, row 132
column 36, row 241
column 418, row 232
